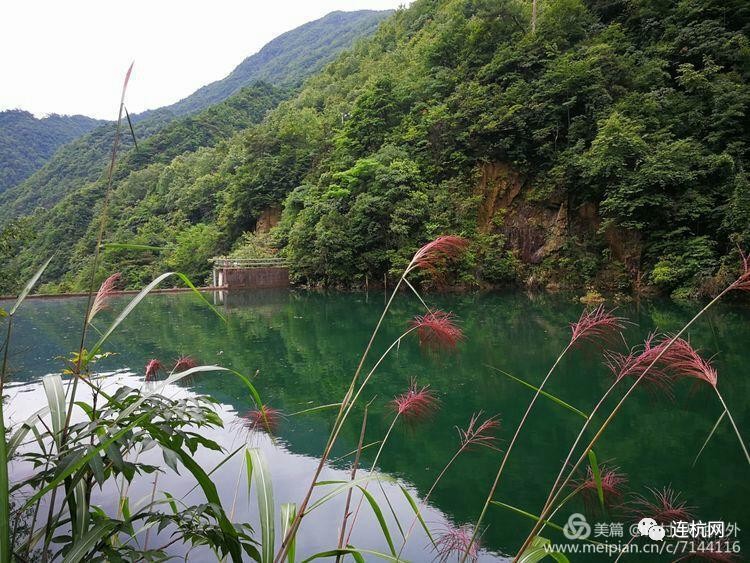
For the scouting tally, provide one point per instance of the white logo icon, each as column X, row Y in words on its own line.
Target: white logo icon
column 577, row 528
column 649, row 527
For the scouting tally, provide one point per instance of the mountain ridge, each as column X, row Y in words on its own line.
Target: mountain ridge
column 26, row 141
column 285, row 60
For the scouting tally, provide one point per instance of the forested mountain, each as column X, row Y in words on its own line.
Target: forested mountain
column 27, row 142
column 602, row 145
column 285, row 61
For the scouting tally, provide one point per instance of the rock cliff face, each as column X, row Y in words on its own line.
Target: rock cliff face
column 533, row 229
column 538, row 229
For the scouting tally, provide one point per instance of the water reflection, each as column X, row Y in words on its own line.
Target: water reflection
column 304, row 346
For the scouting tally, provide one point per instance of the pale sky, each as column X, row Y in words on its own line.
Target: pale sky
column 70, row 56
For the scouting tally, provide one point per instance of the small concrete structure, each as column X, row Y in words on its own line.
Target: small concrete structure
column 232, row 273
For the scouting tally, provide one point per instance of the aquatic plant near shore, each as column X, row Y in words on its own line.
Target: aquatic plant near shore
column 415, row 403
column 447, row 247
column 596, row 325
column 593, row 326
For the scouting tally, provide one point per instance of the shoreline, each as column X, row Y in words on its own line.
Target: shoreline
column 119, row 292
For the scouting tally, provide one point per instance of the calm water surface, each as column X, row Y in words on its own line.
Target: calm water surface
column 305, row 347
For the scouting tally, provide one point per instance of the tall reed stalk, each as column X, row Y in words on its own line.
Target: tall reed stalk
column 591, row 325
column 426, row 258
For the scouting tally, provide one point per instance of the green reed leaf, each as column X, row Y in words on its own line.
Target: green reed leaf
column 418, row 514
column 542, row 392
column 288, row 514
column 381, row 520
column 597, row 474
column 261, row 478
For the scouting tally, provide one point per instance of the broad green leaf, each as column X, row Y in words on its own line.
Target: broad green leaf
column 264, row 492
column 288, row 514
column 381, row 520
column 83, row 460
column 208, row 487
column 53, row 388
column 596, row 473
column 82, row 510
column 24, row 429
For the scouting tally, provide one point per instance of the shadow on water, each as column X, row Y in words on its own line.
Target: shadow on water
column 304, row 347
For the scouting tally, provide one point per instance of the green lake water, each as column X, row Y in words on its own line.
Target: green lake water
column 305, row 346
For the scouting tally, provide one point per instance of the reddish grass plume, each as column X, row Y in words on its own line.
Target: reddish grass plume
column 480, row 434
column 638, row 362
column 613, row 484
column 435, row 254
column 456, row 541
column 664, row 506
column 184, row 363
column 437, row 330
column 102, row 296
column 416, row 403
column 596, row 324
column 153, row 367
column 264, row 419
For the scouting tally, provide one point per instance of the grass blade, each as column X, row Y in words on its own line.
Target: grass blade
column 354, row 552
column 542, row 392
column 29, row 285
column 597, row 474
column 418, row 514
column 288, row 514
column 21, row 433
column 81, row 548
column 343, row 486
column 526, row 514
column 138, row 298
column 381, row 520
column 264, row 492
column 53, row 388
column 538, row 550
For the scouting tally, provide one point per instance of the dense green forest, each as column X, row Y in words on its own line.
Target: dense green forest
column 27, row 142
column 601, row 145
column 285, row 62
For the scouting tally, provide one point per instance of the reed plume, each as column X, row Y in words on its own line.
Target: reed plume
column 457, row 541
column 153, row 367
column 102, row 296
column 437, row 330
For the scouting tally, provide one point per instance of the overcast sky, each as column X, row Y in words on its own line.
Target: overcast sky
column 70, row 56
